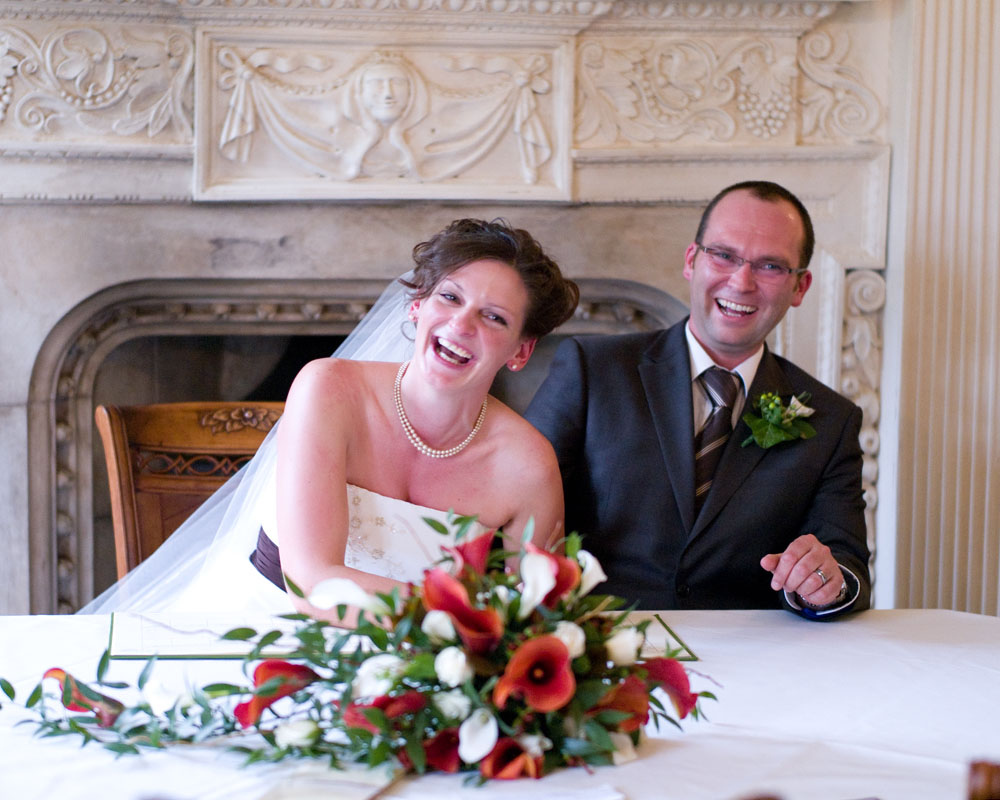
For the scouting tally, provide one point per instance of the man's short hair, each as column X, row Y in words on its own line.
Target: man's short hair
column 772, row 192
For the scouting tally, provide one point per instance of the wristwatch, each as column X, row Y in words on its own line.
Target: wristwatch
column 840, row 598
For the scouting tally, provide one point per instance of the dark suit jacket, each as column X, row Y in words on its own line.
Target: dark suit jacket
column 618, row 412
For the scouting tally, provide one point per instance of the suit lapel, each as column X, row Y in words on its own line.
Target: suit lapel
column 737, row 461
column 666, row 378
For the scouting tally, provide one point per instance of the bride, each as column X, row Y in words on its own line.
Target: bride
column 366, row 449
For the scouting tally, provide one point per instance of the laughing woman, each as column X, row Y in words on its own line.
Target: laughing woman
column 368, row 447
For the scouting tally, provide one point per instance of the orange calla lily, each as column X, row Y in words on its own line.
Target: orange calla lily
column 540, row 672
column 479, row 629
column 392, row 707
column 292, row 676
column 630, row 697
column 473, row 553
column 83, row 698
column 509, row 760
column 669, row 675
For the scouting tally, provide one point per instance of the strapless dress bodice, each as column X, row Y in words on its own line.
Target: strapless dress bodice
column 386, row 536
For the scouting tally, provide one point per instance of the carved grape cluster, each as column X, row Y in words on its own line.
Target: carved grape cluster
column 764, row 117
column 8, row 65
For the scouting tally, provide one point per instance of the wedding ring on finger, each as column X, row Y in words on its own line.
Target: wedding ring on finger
column 822, row 577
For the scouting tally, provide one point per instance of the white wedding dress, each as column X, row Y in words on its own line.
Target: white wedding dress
column 387, row 537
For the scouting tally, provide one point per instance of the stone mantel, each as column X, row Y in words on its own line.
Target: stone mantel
column 142, row 128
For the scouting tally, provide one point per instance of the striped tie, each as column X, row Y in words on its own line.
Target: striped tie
column 722, row 388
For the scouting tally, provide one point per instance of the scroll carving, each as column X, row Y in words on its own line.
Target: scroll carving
column 109, row 82
column 226, row 420
column 645, row 91
column 387, row 115
column 836, row 104
column 861, row 365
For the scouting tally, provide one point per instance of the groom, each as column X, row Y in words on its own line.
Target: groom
column 649, row 433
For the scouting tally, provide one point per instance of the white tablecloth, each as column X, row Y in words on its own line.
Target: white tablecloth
column 883, row 704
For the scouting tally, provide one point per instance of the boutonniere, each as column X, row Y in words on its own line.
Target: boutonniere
column 778, row 423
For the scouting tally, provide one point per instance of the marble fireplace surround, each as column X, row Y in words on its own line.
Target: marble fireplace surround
column 567, row 109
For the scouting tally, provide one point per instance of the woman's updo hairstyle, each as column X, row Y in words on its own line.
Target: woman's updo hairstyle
column 551, row 297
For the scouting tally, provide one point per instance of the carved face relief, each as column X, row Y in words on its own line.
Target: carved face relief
column 385, row 92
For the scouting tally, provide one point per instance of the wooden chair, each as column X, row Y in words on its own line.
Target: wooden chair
column 165, row 459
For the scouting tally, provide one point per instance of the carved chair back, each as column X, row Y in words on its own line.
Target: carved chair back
column 165, row 459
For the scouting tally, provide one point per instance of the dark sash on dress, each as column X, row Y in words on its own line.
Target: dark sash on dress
column 267, row 560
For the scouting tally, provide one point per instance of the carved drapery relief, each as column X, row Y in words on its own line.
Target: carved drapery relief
column 114, row 83
column 344, row 114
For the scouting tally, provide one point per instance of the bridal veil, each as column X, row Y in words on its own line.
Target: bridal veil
column 224, row 529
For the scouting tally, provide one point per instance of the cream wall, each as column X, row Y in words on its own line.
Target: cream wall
column 940, row 484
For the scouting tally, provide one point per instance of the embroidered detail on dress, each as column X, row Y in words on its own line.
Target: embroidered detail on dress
column 355, row 522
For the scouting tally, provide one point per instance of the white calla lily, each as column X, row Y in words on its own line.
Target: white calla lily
column 333, row 592
column 477, row 736
column 537, row 581
column 591, row 572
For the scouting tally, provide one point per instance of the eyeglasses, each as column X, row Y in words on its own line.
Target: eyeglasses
column 763, row 269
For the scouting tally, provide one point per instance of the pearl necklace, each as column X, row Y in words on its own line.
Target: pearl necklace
column 412, row 435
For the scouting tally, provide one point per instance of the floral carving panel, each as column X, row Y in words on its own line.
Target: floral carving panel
column 691, row 90
column 123, row 86
column 355, row 120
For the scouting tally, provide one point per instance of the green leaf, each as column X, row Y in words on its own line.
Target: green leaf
column 579, row 747
column 597, row 734
column 268, row 639
column 293, row 586
column 529, row 531
column 222, row 689
column 102, row 665
column 588, row 693
column 122, row 749
column 437, row 525
column 415, row 750
column 7, row 688
column 146, row 672
column 239, row 635
column 34, row 697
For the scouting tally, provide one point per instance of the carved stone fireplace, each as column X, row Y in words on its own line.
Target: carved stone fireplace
column 209, row 167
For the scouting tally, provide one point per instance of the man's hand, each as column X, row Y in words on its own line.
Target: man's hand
column 799, row 570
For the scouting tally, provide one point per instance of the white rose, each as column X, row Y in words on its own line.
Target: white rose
column 623, row 646
column 624, row 749
column 571, row 635
column 437, row 625
column 452, row 667
column 591, row 572
column 454, row 704
column 477, row 736
column 297, row 733
column 377, row 674
column 534, row 744
column 537, row 581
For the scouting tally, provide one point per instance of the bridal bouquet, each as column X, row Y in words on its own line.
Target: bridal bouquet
column 480, row 668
